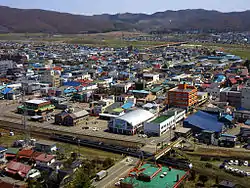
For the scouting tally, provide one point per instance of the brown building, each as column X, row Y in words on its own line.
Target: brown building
column 183, row 96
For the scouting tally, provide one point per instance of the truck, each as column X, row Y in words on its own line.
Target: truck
column 100, row 175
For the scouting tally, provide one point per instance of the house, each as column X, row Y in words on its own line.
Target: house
column 25, row 154
column 45, row 146
column 11, row 153
column 8, row 182
column 2, row 153
column 17, row 170
column 44, row 160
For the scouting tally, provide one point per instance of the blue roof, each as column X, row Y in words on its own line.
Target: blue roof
column 72, row 83
column 127, row 105
column 247, row 122
column 70, row 90
column 228, row 117
column 2, row 148
column 204, row 121
column 6, row 90
column 140, row 91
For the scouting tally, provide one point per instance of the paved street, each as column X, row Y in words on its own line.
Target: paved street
column 115, row 172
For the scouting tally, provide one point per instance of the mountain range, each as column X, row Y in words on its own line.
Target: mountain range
column 36, row 21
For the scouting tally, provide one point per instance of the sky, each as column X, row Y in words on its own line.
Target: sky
column 90, row 7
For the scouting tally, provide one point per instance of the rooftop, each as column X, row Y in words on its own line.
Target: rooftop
column 157, row 182
column 161, row 119
column 36, row 101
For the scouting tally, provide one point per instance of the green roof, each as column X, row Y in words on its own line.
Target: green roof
column 156, row 89
column 160, row 119
column 117, row 110
column 13, row 151
column 157, row 182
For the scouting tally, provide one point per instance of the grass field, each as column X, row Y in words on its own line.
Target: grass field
column 85, row 152
column 240, row 50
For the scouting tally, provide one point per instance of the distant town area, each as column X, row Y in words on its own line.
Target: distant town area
column 135, row 111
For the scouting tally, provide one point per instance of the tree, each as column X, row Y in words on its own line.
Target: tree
column 80, row 180
column 108, row 162
column 203, row 179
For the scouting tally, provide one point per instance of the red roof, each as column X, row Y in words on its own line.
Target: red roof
column 17, row 168
column 44, row 158
column 233, row 80
column 205, row 85
column 25, row 153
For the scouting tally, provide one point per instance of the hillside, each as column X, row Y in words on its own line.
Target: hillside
column 34, row 21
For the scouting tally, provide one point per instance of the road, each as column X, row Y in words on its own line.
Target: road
column 120, row 169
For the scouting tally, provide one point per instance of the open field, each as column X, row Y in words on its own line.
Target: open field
column 240, row 50
column 86, row 152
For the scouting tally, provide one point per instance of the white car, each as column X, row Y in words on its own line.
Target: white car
column 118, row 183
column 248, row 173
column 120, row 179
column 245, row 163
column 236, row 162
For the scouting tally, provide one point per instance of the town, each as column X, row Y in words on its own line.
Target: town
column 172, row 114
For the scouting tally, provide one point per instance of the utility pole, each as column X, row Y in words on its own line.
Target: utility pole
column 25, row 126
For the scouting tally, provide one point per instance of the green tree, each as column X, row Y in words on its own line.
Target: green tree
column 203, row 179
column 80, row 180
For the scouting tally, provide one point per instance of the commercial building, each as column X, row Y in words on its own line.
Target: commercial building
column 32, row 107
column 245, row 97
column 5, row 65
column 154, row 175
column 183, row 96
column 164, row 122
column 231, row 95
column 131, row 122
column 202, row 121
column 52, row 77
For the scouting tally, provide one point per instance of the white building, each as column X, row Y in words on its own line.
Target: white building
column 245, row 97
column 164, row 122
column 151, row 77
column 131, row 122
column 214, row 90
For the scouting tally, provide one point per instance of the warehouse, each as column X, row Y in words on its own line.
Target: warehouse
column 164, row 122
column 203, row 121
column 131, row 122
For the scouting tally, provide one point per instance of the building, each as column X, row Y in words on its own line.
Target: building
column 183, row 132
column 120, row 88
column 51, row 77
column 231, row 95
column 15, row 169
column 183, row 96
column 164, row 122
column 154, row 175
column 44, row 160
column 5, row 65
column 131, row 122
column 241, row 115
column 31, row 87
column 70, row 119
column 151, row 78
column 36, row 106
column 245, row 97
column 201, row 121
column 45, row 146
